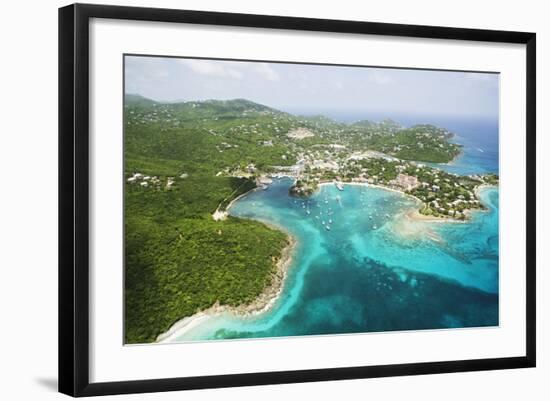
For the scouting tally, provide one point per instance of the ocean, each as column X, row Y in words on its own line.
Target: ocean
column 478, row 136
column 376, row 269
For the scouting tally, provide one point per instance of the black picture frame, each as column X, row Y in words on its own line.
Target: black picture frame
column 74, row 198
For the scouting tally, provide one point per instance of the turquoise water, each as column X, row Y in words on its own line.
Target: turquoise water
column 478, row 136
column 377, row 270
column 374, row 270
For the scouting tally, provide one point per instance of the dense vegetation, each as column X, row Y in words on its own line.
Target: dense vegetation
column 178, row 266
column 178, row 260
column 183, row 161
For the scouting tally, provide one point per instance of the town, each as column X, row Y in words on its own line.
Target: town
column 257, row 143
column 186, row 163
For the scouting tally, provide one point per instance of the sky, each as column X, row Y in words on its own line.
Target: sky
column 317, row 89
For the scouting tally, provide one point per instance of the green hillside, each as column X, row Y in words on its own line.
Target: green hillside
column 185, row 160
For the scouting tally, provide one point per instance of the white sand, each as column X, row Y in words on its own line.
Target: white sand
column 261, row 304
column 182, row 327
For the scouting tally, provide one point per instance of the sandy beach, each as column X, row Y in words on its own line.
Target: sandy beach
column 265, row 301
column 222, row 214
column 415, row 215
column 366, row 184
column 261, row 304
column 482, row 187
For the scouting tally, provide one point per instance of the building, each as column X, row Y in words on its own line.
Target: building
column 406, row 182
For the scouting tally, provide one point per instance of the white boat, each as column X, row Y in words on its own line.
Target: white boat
column 328, row 228
column 339, row 185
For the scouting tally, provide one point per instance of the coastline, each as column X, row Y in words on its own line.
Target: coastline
column 482, row 187
column 267, row 299
column 365, row 184
column 222, row 215
column 263, row 302
column 415, row 214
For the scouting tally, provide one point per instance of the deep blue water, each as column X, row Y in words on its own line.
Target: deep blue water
column 480, row 142
column 479, row 137
column 376, row 269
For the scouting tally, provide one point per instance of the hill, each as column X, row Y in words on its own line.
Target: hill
column 185, row 160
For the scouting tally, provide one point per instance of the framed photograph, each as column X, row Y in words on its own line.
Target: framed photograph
column 251, row 199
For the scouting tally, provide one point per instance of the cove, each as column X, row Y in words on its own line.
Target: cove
column 361, row 264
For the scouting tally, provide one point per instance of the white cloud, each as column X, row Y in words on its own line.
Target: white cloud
column 225, row 69
column 379, row 77
column 267, row 72
column 212, row 68
column 482, row 78
column 475, row 76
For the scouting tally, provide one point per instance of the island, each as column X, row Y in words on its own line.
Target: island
column 186, row 162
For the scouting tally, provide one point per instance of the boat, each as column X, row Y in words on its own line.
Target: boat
column 327, row 227
column 339, row 185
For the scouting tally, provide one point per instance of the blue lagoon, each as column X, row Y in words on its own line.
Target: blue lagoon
column 363, row 264
column 287, row 199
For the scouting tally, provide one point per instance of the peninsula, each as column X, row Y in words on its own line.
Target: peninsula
column 186, row 162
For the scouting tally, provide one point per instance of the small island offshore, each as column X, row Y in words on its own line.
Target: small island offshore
column 209, row 185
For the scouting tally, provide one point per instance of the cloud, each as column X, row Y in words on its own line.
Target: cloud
column 481, row 78
column 225, row 69
column 212, row 68
column 379, row 77
column 476, row 76
column 267, row 72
